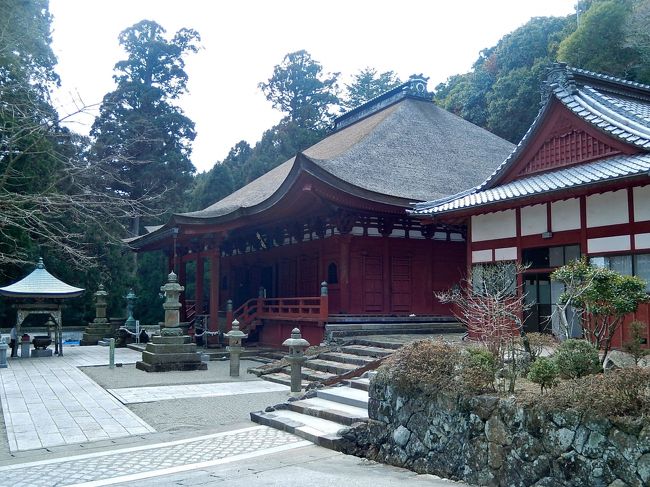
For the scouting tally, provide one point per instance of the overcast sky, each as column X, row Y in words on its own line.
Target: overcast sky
column 243, row 40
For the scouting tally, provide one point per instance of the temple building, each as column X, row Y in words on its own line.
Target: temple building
column 336, row 214
column 577, row 184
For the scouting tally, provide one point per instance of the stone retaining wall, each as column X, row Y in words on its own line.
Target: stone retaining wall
column 486, row 440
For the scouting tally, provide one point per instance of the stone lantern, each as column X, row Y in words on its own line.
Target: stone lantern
column 297, row 346
column 171, row 350
column 130, row 304
column 100, row 327
column 172, row 305
column 235, row 337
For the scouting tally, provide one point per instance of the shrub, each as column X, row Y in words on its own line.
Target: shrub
column 638, row 337
column 620, row 392
column 576, row 358
column 425, row 365
column 478, row 368
column 537, row 342
column 543, row 372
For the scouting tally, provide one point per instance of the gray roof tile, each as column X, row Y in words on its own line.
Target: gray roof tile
column 40, row 284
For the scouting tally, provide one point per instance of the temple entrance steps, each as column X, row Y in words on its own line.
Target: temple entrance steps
column 321, row 414
column 343, row 328
column 329, row 364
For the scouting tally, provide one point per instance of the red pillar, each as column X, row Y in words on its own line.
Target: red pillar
column 198, row 284
column 213, row 324
column 344, row 273
column 386, row 275
column 182, row 280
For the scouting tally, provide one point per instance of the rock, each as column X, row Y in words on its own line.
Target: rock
column 495, row 455
column 483, row 406
column 643, row 468
column 626, row 444
column 618, row 483
column 496, row 432
column 401, row 435
column 595, row 446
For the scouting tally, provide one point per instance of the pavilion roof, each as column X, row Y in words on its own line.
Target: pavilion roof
column 410, row 150
column 616, row 107
column 40, row 284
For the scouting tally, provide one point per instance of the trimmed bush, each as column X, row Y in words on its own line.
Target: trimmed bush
column 543, row 372
column 617, row 393
column 425, row 365
column 537, row 342
column 478, row 368
column 576, row 358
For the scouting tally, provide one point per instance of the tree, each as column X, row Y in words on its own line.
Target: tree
column 491, row 305
column 367, row 84
column 147, row 138
column 598, row 44
column 603, row 297
column 301, row 89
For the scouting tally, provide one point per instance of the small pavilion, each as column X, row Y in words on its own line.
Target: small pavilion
column 41, row 293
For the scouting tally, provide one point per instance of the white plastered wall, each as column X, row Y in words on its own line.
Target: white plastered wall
column 565, row 215
column 608, row 208
column 533, row 220
column 492, row 226
column 642, row 203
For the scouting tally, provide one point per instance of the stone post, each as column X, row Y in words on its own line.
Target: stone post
column 130, row 304
column 3, row 353
column 235, row 336
column 297, row 346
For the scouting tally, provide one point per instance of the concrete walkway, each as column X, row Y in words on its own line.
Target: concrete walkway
column 48, row 401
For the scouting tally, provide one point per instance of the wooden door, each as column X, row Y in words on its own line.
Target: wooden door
column 287, row 279
column 373, row 287
column 401, row 284
column 308, row 285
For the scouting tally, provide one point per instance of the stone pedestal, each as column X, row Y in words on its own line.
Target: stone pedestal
column 172, row 350
column 38, row 352
column 165, row 353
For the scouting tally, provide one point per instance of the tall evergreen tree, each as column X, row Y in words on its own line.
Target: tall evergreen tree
column 367, row 84
column 140, row 131
column 300, row 89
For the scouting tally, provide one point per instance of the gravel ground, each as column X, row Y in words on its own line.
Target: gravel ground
column 206, row 413
column 129, row 376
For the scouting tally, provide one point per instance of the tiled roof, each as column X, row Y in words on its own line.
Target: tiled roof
column 572, row 177
column 615, row 106
column 40, row 284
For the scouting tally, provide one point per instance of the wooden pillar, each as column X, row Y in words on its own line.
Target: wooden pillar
column 213, row 324
column 386, row 275
column 198, row 284
column 182, row 280
column 344, row 273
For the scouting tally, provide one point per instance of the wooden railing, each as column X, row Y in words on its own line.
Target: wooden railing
column 312, row 309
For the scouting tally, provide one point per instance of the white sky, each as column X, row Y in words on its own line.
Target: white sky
column 242, row 40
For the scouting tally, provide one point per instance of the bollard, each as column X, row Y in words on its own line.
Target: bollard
column 235, row 336
column 297, row 346
column 24, row 346
column 111, row 353
column 3, row 353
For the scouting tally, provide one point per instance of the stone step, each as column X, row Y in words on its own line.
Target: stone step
column 345, row 395
column 319, row 431
column 310, row 375
column 282, row 378
column 362, row 384
column 104, row 343
column 346, row 358
column 377, row 343
column 343, row 330
column 336, row 368
column 367, row 351
column 331, row 411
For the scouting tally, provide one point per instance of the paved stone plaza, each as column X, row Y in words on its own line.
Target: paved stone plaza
column 64, row 428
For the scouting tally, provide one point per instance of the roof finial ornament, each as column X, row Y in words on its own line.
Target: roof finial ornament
column 558, row 75
column 417, row 86
column 40, row 264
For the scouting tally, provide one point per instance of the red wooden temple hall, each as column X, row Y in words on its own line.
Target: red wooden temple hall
column 577, row 184
column 336, row 213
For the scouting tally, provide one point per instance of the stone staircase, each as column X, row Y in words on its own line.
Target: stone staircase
column 321, row 414
column 328, row 365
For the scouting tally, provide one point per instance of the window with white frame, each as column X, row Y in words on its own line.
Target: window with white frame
column 628, row 265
